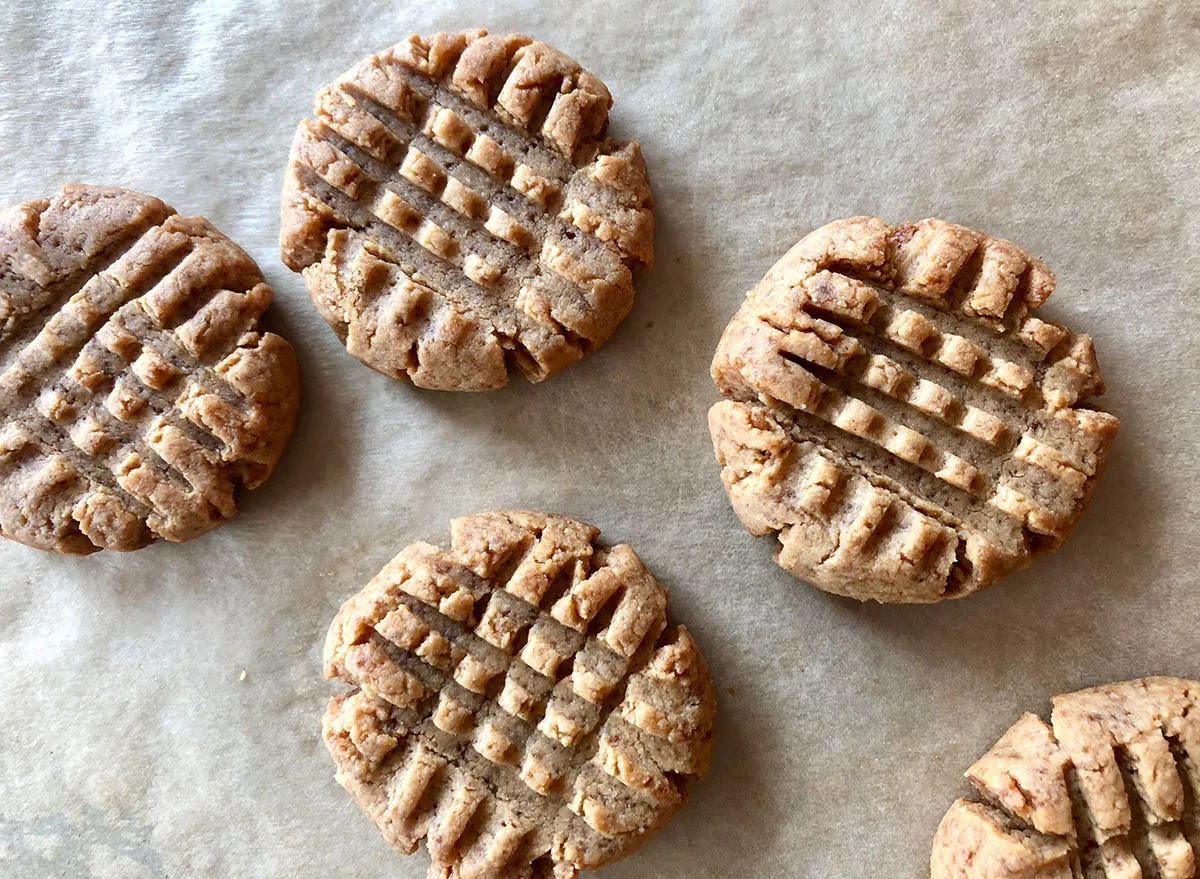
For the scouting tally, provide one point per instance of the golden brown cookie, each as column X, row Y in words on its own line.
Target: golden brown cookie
column 1107, row 791
column 898, row 415
column 457, row 211
column 519, row 701
column 137, row 390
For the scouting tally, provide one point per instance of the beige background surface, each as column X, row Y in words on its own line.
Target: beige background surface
column 128, row 745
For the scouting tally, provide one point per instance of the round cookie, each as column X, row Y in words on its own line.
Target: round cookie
column 898, row 415
column 457, row 211
column 136, row 387
column 519, row 701
column 1109, row 788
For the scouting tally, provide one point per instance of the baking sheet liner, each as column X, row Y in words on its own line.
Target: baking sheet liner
column 130, row 743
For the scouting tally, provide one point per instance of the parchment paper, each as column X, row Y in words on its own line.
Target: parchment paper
column 129, row 744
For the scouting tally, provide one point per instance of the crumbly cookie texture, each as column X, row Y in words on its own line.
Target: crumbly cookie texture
column 457, row 211
column 898, row 415
column 138, row 392
column 1108, row 790
column 519, row 702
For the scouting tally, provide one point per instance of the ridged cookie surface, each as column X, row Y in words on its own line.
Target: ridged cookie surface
column 457, row 211
column 898, row 415
column 520, row 702
column 137, row 391
column 1108, row 790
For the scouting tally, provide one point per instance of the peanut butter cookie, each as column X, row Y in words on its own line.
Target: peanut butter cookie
column 898, row 415
column 519, row 702
column 1108, row 789
column 457, row 211
column 137, row 390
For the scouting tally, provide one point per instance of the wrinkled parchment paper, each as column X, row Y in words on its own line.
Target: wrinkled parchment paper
column 130, row 745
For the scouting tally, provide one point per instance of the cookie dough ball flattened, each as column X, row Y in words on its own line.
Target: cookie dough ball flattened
column 519, row 702
column 898, row 415
column 456, row 210
column 136, row 389
column 1107, row 790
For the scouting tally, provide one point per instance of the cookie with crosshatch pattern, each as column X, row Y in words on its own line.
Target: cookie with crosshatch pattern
column 458, row 212
column 1109, row 789
column 899, row 417
column 138, row 392
column 519, row 701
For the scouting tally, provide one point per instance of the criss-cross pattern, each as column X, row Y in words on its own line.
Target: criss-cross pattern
column 520, row 699
column 1107, row 790
column 138, row 392
column 455, row 211
column 900, row 417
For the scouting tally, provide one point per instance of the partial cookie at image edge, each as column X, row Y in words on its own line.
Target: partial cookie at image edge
column 139, row 391
column 1110, row 787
